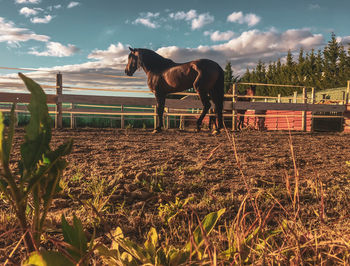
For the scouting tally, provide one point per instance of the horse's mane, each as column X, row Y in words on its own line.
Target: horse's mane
column 153, row 61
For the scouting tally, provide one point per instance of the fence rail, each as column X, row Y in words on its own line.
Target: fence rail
column 174, row 107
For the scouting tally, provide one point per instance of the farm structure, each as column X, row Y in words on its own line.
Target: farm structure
column 277, row 113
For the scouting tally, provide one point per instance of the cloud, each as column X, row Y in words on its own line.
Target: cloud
column 145, row 19
column 345, row 41
column 28, row 1
column 181, row 15
column 249, row 19
column 114, row 54
column 197, row 21
column 50, row 8
column 217, row 36
column 43, row 20
column 73, row 4
column 56, row 49
column 243, row 51
column 11, row 34
column 201, row 20
column 248, row 48
column 29, row 11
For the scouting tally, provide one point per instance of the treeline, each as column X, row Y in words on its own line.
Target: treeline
column 327, row 68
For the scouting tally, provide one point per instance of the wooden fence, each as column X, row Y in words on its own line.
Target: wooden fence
column 305, row 105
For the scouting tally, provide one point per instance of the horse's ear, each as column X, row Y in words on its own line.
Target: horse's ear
column 132, row 50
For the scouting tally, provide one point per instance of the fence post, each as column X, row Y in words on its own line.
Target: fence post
column 347, row 93
column 155, row 117
column 313, row 98
column 279, row 98
column 59, row 89
column 72, row 116
column 234, row 118
column 303, row 113
column 167, row 118
column 295, row 97
column 122, row 119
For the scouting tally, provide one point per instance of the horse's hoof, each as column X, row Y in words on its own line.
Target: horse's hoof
column 157, row 130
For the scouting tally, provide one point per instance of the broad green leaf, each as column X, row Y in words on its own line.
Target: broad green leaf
column 75, row 236
column 128, row 260
column 47, row 258
column 6, row 142
column 134, row 250
column 151, row 242
column 54, row 164
column 208, row 224
column 177, row 257
column 38, row 131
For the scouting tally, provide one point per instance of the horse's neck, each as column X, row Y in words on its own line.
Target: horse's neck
column 156, row 65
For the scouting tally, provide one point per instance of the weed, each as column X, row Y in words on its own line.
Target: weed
column 167, row 212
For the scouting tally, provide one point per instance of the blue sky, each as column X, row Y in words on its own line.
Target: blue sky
column 93, row 35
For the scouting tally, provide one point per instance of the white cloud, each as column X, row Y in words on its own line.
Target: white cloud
column 28, row 1
column 56, row 49
column 114, row 53
column 345, row 41
column 242, row 51
column 29, row 11
column 197, row 21
column 43, row 20
column 11, row 34
column 146, row 20
column 50, row 8
column 249, row 19
column 181, row 15
column 217, row 36
column 73, row 4
column 248, row 48
column 201, row 20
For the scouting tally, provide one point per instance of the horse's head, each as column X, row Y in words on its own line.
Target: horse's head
column 133, row 62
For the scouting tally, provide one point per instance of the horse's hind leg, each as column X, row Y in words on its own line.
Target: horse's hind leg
column 218, row 110
column 212, row 120
column 206, row 106
column 160, row 110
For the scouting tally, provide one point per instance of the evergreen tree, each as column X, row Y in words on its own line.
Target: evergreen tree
column 331, row 55
column 228, row 77
column 328, row 68
column 301, row 68
column 343, row 66
column 319, row 74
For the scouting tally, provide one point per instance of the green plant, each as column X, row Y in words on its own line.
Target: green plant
column 74, row 246
column 126, row 252
column 167, row 212
column 40, row 169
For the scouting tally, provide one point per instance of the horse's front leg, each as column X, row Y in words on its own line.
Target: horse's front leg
column 160, row 111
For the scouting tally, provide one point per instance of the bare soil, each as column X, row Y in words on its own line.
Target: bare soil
column 139, row 171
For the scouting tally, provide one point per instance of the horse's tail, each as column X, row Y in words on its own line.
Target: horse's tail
column 219, row 87
column 217, row 96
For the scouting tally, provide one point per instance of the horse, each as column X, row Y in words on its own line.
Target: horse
column 250, row 91
column 164, row 76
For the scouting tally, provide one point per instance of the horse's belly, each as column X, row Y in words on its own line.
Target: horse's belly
column 178, row 80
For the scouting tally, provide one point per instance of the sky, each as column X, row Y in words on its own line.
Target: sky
column 85, row 37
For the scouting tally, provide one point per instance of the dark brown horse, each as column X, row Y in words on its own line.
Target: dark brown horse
column 165, row 76
column 250, row 91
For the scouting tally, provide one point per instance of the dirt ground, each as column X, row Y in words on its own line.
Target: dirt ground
column 139, row 170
